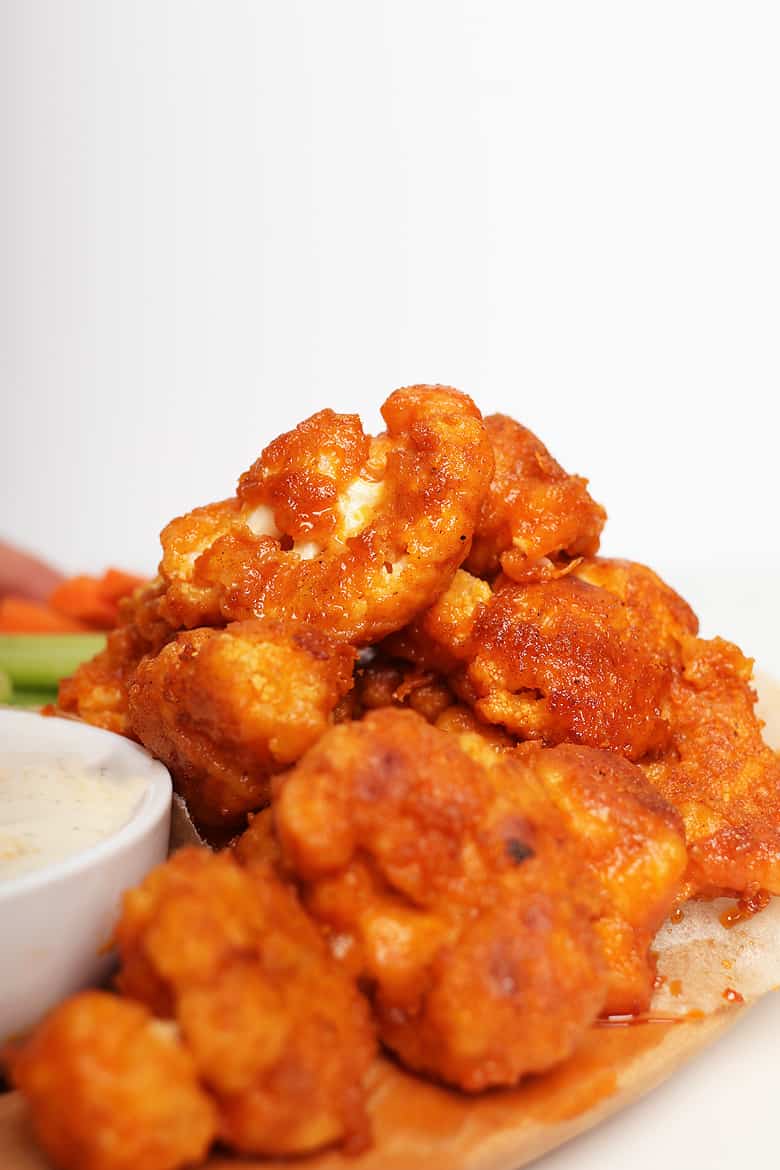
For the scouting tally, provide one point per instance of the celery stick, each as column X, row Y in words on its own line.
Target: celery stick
column 39, row 661
column 6, row 690
column 32, row 698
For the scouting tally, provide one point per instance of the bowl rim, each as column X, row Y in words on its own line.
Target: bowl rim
column 154, row 806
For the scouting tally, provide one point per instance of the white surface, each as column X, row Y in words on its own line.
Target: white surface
column 55, row 922
column 719, row 1112
column 217, row 217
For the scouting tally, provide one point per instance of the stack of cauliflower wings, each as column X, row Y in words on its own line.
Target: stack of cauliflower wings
column 469, row 767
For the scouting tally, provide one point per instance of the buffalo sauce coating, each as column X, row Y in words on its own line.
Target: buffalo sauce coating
column 746, row 907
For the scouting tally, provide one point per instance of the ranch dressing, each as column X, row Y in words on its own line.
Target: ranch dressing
column 54, row 807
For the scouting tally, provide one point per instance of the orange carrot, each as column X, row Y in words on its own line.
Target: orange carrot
column 80, row 598
column 116, row 584
column 94, row 600
column 18, row 615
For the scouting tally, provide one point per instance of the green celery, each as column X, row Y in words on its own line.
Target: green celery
column 37, row 698
column 39, row 661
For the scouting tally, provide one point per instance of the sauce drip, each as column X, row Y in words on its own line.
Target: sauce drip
column 748, row 905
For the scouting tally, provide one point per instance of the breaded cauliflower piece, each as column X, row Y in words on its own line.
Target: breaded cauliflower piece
column 719, row 773
column 450, row 889
column 278, row 1032
column 97, row 690
column 716, row 769
column 535, row 517
column 111, row 1088
column 329, row 527
column 633, row 842
column 225, row 709
column 653, row 609
column 556, row 660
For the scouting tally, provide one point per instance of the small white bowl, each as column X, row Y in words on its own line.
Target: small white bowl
column 56, row 922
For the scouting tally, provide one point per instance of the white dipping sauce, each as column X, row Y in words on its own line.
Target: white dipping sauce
column 56, row 806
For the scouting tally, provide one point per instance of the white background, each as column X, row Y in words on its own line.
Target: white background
column 218, row 217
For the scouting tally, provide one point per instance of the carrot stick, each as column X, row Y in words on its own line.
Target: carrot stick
column 94, row 600
column 18, row 615
column 116, row 584
column 81, row 598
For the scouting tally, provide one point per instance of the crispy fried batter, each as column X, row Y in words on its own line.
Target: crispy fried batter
column 557, row 660
column 258, row 841
column 97, row 691
column 278, row 1032
column 653, row 609
column 388, row 682
column 450, row 888
column 225, row 709
column 460, row 719
column 535, row 518
column 719, row 773
column 716, row 769
column 354, row 535
column 441, row 638
column 634, row 845
column 111, row 1088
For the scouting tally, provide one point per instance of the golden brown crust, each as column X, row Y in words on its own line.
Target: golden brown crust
column 278, row 1033
column 450, row 889
column 302, row 474
column 720, row 773
column 715, row 769
column 111, row 1088
column 557, row 661
column 535, row 517
column 97, row 691
column 389, row 682
column 225, row 709
column 633, row 843
column 652, row 607
column 330, row 528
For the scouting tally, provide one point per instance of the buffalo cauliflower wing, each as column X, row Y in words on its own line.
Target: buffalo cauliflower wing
column 450, row 889
column 720, row 774
column 225, row 709
column 111, row 1088
column 556, row 660
column 279, row 1035
column 535, row 518
column 97, row 690
column 633, row 843
column 330, row 527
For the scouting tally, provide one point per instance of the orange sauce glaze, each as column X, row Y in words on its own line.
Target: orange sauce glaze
column 751, row 903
